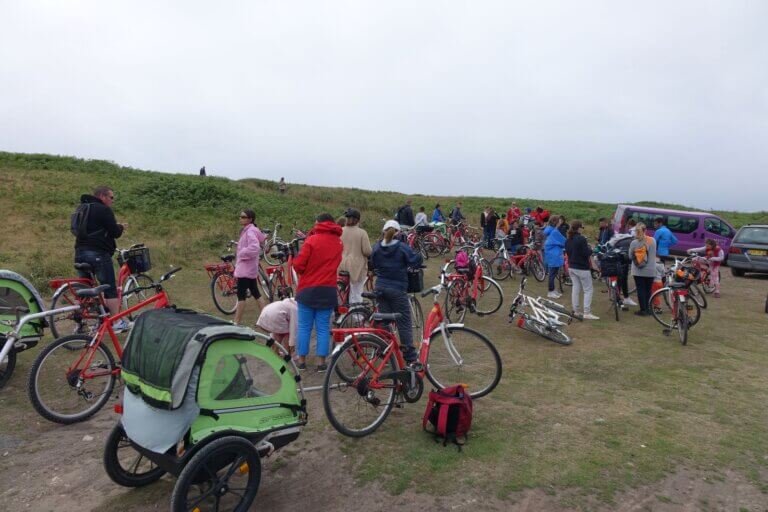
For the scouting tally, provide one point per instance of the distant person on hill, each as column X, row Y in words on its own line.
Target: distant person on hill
column 249, row 248
column 95, row 229
column 317, row 264
column 202, row 171
column 437, row 214
column 664, row 238
column 281, row 186
column 354, row 258
column 579, row 252
column 404, row 214
column 456, row 215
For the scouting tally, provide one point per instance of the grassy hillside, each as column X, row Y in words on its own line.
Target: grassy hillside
column 186, row 219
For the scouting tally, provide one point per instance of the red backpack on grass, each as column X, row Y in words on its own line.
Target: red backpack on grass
column 449, row 411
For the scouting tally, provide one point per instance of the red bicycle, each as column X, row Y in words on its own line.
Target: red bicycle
column 72, row 378
column 528, row 260
column 468, row 290
column 282, row 277
column 131, row 279
column 368, row 376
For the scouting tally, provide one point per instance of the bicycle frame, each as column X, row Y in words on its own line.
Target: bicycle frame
column 160, row 300
column 538, row 311
column 13, row 337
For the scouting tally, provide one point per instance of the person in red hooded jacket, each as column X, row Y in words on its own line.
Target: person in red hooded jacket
column 316, row 265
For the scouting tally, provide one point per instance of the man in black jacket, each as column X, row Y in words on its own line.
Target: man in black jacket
column 96, row 242
column 405, row 214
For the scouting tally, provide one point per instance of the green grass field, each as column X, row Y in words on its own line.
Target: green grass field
column 624, row 406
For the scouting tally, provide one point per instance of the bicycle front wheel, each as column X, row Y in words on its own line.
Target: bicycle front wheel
column 540, row 328
column 131, row 296
column 682, row 323
column 356, row 398
column 456, row 301
column 463, row 355
column 57, row 388
column 489, row 297
column 695, row 293
column 536, row 268
column 417, row 317
column 500, row 268
column 270, row 255
column 224, row 292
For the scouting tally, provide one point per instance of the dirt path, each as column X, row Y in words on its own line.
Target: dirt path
column 50, row 467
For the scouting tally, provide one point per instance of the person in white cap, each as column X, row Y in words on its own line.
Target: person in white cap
column 390, row 260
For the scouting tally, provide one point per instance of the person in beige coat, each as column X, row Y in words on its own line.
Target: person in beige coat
column 354, row 258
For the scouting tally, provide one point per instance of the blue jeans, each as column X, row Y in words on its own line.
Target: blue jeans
column 321, row 320
column 552, row 275
column 101, row 261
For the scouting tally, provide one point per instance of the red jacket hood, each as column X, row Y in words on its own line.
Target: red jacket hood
column 327, row 227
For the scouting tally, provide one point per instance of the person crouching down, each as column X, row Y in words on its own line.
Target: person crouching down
column 280, row 319
column 390, row 260
column 316, row 265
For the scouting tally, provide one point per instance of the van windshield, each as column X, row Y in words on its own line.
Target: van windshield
column 753, row 236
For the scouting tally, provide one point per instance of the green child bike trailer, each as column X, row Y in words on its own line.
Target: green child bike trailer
column 204, row 401
column 19, row 328
column 449, row 412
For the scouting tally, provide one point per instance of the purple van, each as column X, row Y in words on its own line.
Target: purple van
column 690, row 228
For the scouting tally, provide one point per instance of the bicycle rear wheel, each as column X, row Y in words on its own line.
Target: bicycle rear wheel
column 56, row 387
column 489, row 297
column 613, row 295
column 356, row 399
column 84, row 321
column 500, row 268
column 540, row 328
column 417, row 317
column 224, row 292
column 463, row 355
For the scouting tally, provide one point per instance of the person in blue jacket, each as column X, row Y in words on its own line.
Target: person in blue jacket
column 391, row 260
column 664, row 238
column 437, row 215
column 553, row 252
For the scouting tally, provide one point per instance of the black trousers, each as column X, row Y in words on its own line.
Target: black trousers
column 644, row 285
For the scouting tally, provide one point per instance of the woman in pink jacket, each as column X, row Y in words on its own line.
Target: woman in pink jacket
column 247, row 263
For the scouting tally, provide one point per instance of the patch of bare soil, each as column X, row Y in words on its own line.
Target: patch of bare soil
column 54, row 467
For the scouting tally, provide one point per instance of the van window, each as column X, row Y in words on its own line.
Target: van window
column 682, row 223
column 644, row 217
column 717, row 227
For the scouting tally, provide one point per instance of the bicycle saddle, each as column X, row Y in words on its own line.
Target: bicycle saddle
column 370, row 295
column 84, row 267
column 228, row 258
column 343, row 273
column 383, row 317
column 92, row 292
column 462, row 270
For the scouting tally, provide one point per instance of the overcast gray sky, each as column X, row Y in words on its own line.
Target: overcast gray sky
column 594, row 100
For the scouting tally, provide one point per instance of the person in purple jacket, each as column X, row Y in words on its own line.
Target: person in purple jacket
column 247, row 263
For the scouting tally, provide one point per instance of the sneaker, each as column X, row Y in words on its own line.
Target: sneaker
column 321, row 368
column 590, row 316
column 301, row 366
column 641, row 313
column 553, row 295
column 121, row 326
column 629, row 302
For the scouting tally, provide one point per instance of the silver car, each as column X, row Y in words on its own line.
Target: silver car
column 749, row 251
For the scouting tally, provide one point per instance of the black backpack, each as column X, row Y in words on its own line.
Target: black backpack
column 79, row 220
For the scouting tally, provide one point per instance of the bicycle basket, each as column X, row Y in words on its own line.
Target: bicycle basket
column 612, row 265
column 138, row 259
column 686, row 275
column 415, row 280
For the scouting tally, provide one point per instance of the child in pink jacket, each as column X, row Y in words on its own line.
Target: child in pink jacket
column 715, row 257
